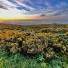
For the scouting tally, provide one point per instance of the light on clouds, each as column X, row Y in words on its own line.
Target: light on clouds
column 37, row 8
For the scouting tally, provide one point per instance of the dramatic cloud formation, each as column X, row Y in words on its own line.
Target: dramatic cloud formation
column 43, row 8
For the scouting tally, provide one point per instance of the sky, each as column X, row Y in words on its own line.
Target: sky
column 51, row 10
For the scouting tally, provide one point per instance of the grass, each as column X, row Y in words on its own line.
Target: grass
column 20, row 61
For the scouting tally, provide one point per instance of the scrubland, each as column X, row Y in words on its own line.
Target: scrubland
column 34, row 46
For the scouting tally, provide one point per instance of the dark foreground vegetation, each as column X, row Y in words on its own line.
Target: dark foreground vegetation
column 34, row 46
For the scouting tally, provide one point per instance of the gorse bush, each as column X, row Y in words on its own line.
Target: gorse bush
column 33, row 46
column 32, row 42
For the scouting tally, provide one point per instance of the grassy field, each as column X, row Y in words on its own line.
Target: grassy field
column 34, row 46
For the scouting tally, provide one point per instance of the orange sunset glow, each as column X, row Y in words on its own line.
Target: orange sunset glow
column 20, row 18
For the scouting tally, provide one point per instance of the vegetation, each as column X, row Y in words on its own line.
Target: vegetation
column 34, row 46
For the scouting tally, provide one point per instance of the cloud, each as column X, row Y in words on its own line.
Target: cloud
column 34, row 7
column 57, row 9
